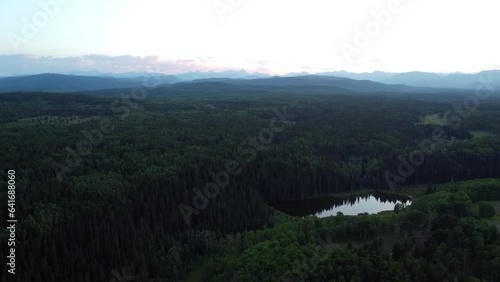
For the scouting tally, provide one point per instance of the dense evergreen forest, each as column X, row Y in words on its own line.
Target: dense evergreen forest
column 173, row 188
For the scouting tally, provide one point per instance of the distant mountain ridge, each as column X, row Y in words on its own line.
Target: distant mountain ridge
column 454, row 80
column 422, row 79
column 317, row 80
column 428, row 79
column 364, row 82
column 53, row 82
column 63, row 83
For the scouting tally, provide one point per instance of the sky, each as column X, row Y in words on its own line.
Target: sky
column 268, row 36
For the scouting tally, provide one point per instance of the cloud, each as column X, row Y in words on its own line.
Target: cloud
column 30, row 64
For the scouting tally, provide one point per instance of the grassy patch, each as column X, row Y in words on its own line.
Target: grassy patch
column 198, row 275
column 433, row 119
column 481, row 134
column 205, row 270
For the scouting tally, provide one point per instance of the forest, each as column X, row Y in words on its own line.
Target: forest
column 178, row 187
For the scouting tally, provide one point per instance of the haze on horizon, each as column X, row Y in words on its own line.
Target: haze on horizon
column 274, row 37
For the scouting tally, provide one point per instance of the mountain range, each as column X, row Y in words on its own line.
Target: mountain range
column 364, row 82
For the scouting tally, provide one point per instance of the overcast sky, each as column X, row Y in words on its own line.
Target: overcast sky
column 271, row 36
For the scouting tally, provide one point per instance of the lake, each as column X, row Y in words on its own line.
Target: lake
column 327, row 206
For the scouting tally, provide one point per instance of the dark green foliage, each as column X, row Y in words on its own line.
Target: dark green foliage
column 119, row 207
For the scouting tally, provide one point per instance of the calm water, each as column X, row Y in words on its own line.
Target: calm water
column 326, row 206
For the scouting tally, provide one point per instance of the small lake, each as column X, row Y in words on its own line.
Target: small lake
column 327, row 206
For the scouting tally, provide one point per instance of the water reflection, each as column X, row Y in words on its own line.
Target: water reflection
column 326, row 206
